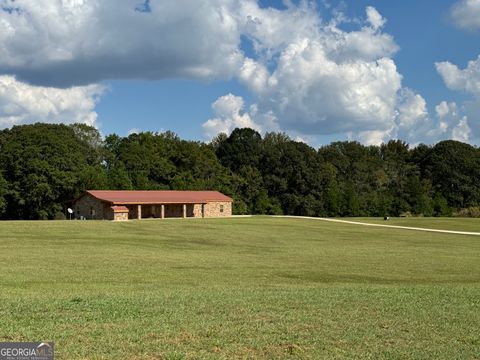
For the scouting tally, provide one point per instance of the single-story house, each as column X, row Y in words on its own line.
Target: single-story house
column 133, row 204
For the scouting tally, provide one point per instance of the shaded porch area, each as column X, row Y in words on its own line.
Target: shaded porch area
column 165, row 211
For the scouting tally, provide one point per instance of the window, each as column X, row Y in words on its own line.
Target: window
column 221, row 208
column 92, row 211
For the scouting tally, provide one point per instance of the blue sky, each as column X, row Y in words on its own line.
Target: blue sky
column 323, row 71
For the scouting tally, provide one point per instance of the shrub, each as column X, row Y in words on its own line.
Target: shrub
column 472, row 212
column 60, row 216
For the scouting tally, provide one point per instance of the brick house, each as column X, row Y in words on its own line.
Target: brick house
column 127, row 204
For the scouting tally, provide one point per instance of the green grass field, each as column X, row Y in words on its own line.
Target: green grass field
column 241, row 288
column 457, row 224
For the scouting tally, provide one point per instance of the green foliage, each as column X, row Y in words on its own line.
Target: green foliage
column 241, row 148
column 3, row 192
column 440, row 206
column 44, row 167
column 472, row 212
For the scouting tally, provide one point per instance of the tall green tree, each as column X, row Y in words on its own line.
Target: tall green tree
column 241, row 148
column 44, row 165
column 3, row 192
column 454, row 170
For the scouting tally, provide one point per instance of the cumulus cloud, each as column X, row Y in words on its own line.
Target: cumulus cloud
column 452, row 123
column 466, row 14
column 272, row 30
column 376, row 20
column 72, row 42
column 306, row 75
column 229, row 114
column 309, row 91
column 466, row 80
column 324, row 80
column 412, row 119
column 462, row 131
column 21, row 103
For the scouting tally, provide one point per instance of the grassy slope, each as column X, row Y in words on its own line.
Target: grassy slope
column 458, row 224
column 239, row 288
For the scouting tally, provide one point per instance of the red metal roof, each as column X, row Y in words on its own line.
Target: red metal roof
column 123, row 197
column 119, row 208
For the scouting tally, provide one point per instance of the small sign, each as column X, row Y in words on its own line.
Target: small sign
column 26, row 351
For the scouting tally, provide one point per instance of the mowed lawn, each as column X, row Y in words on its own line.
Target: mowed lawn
column 456, row 224
column 240, row 288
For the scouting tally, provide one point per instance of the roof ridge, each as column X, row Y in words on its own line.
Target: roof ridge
column 155, row 190
column 159, row 196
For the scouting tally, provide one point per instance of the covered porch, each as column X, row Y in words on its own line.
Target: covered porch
column 165, row 211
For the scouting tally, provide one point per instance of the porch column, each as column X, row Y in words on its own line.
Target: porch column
column 162, row 211
column 184, row 211
column 139, row 212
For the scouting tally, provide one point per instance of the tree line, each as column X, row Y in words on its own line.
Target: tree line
column 43, row 167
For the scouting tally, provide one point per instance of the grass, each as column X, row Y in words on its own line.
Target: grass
column 457, row 224
column 244, row 288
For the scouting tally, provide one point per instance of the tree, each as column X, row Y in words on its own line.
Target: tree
column 241, row 148
column 44, row 165
column 3, row 192
column 454, row 170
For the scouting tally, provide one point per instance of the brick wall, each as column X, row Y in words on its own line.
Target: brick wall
column 120, row 216
column 197, row 210
column 91, row 208
column 214, row 209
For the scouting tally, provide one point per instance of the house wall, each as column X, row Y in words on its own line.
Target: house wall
column 213, row 209
column 197, row 210
column 90, row 208
column 120, row 216
column 102, row 211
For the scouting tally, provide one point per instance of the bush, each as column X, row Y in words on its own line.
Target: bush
column 60, row 216
column 472, row 212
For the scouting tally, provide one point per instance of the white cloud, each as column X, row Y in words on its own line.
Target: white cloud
column 254, row 75
column 272, row 30
column 229, row 114
column 467, row 79
column 313, row 79
column 412, row 120
column 466, row 14
column 306, row 76
column 310, row 90
column 452, row 124
column 324, row 80
column 21, row 103
column 462, row 131
column 372, row 137
column 71, row 42
column 444, row 108
column 376, row 20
